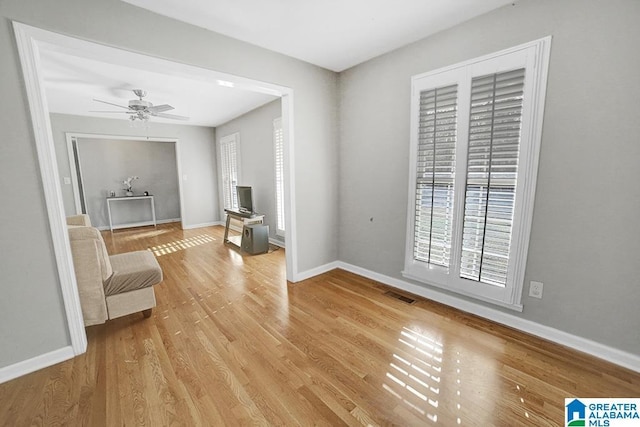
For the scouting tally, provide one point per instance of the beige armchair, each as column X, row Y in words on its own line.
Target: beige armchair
column 110, row 286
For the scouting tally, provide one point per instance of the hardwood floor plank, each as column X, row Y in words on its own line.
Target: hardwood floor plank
column 232, row 343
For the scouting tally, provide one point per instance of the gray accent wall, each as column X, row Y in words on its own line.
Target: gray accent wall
column 257, row 157
column 106, row 163
column 585, row 240
column 29, row 280
column 197, row 162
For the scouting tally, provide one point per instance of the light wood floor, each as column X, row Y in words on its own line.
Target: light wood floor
column 232, row 343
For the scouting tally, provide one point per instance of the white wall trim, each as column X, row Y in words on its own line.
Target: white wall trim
column 290, row 216
column 35, row 363
column 610, row 354
column 30, row 60
column 180, row 182
column 304, row 275
column 203, row 224
column 160, row 221
column 276, row 242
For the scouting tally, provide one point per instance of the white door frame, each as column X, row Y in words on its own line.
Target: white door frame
column 30, row 42
column 70, row 136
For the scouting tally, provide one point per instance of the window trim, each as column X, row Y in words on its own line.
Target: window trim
column 535, row 58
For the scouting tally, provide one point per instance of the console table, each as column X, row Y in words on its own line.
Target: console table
column 245, row 218
column 116, row 200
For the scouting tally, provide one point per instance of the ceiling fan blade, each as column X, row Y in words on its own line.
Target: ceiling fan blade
column 170, row 116
column 111, row 103
column 160, row 108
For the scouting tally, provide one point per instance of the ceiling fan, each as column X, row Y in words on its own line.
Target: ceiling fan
column 139, row 109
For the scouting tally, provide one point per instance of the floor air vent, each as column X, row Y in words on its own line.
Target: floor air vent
column 400, row 297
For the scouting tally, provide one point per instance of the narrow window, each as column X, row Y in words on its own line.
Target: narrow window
column 278, row 149
column 492, row 169
column 228, row 150
column 435, row 175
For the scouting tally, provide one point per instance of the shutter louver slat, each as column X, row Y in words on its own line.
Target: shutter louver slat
column 435, row 175
column 492, row 165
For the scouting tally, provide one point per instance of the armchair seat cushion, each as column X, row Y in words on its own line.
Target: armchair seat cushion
column 132, row 271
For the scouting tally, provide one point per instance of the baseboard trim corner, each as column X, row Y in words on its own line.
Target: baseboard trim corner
column 307, row 274
column 276, row 242
column 602, row 351
column 33, row 364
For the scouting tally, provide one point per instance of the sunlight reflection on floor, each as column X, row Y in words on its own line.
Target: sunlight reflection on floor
column 180, row 245
column 419, row 374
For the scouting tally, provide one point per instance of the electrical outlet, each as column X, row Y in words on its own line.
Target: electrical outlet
column 535, row 289
column 67, row 180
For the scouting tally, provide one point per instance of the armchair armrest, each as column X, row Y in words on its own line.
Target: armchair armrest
column 82, row 219
column 89, row 279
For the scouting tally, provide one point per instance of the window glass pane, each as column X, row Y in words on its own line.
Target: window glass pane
column 435, row 175
column 492, row 166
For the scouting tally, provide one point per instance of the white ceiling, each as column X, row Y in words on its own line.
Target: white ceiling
column 334, row 34
column 72, row 82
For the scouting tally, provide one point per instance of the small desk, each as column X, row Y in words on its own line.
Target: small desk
column 245, row 218
column 133, row 224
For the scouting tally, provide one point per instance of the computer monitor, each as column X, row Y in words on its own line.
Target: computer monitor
column 245, row 198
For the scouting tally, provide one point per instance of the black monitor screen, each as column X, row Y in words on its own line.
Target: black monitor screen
column 245, row 199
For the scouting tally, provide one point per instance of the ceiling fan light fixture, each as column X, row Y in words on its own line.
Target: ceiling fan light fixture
column 141, row 110
column 140, row 115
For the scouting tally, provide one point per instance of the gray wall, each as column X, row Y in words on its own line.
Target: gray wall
column 585, row 241
column 29, row 276
column 106, row 163
column 197, row 160
column 256, row 157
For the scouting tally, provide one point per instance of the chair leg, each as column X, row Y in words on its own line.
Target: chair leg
column 147, row 313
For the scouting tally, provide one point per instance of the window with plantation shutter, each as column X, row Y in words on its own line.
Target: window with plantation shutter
column 435, row 173
column 278, row 149
column 475, row 137
column 492, row 164
column 228, row 152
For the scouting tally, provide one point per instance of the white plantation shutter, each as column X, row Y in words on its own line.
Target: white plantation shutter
column 475, row 136
column 229, row 170
column 492, row 168
column 435, row 175
column 278, row 149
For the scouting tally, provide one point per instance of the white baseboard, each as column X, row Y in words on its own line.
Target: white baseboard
column 201, row 225
column 276, row 242
column 166, row 221
column 304, row 275
column 35, row 363
column 610, row 354
column 159, row 221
